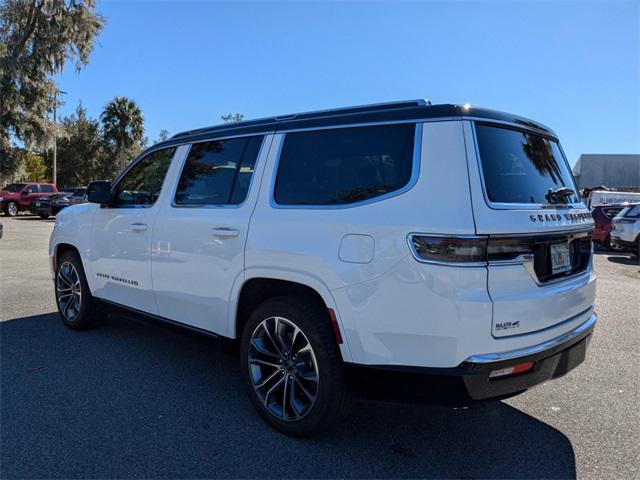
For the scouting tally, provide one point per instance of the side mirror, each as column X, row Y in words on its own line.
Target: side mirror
column 99, row 192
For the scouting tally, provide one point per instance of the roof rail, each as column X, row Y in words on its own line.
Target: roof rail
column 374, row 107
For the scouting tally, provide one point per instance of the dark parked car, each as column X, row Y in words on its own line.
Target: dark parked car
column 17, row 197
column 602, row 215
column 51, row 205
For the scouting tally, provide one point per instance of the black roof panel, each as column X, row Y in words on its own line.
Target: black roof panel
column 384, row 112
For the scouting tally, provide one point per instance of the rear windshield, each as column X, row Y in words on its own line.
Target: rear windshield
column 521, row 167
column 14, row 187
column 632, row 211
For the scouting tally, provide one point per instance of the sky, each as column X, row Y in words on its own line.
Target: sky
column 574, row 66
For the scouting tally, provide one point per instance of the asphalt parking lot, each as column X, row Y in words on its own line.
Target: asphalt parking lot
column 137, row 400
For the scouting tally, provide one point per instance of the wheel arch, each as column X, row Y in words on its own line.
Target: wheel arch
column 261, row 286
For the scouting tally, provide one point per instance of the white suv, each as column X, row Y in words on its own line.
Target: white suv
column 436, row 241
column 625, row 229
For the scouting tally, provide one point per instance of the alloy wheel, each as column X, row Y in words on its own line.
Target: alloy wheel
column 12, row 209
column 283, row 369
column 68, row 291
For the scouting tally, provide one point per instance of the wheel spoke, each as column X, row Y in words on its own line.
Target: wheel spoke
column 263, row 350
column 279, row 337
column 273, row 342
column 309, row 395
column 257, row 361
column 270, row 391
column 269, row 378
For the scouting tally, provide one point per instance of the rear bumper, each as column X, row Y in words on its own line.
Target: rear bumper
column 618, row 242
column 469, row 382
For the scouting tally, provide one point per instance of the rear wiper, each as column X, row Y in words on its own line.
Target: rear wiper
column 554, row 195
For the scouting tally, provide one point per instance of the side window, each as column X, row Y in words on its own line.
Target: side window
column 31, row 189
column 218, row 172
column 342, row 166
column 46, row 189
column 142, row 184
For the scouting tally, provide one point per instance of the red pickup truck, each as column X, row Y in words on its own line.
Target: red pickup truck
column 17, row 197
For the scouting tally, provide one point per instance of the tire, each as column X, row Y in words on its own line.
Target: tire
column 43, row 216
column 76, row 306
column 11, row 209
column 271, row 373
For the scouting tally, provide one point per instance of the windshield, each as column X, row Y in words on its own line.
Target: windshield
column 521, row 167
column 14, row 187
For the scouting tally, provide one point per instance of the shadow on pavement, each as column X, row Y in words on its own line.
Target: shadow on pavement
column 626, row 260
column 132, row 400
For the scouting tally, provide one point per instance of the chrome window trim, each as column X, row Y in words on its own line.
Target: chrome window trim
column 541, row 347
column 519, row 206
column 221, row 205
column 415, row 174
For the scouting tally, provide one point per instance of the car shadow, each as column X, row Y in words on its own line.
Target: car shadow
column 625, row 260
column 34, row 217
column 139, row 400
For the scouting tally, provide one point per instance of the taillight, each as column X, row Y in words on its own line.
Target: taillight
column 463, row 250
column 469, row 250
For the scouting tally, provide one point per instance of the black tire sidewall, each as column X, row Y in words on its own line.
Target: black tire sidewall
column 332, row 395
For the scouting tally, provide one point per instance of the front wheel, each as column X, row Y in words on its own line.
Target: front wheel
column 292, row 366
column 75, row 303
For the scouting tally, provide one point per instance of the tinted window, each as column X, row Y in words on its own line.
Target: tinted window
column 31, row 189
column 142, row 184
column 611, row 212
column 218, row 172
column 46, row 188
column 633, row 212
column 14, row 187
column 521, row 167
column 341, row 166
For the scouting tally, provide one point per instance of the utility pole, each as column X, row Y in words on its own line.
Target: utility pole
column 55, row 137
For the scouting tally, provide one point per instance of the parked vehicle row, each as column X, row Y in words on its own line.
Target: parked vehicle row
column 42, row 199
column 321, row 243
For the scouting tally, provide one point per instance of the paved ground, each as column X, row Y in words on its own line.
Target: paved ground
column 132, row 400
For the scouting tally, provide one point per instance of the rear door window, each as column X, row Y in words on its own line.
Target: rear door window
column 46, row 188
column 343, row 166
column 521, row 166
column 218, row 172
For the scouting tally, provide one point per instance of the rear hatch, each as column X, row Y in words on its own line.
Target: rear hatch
column 525, row 200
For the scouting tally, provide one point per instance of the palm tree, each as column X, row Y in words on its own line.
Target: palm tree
column 123, row 126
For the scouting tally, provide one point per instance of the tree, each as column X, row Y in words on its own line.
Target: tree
column 35, row 169
column 232, row 118
column 37, row 38
column 82, row 154
column 163, row 135
column 123, row 126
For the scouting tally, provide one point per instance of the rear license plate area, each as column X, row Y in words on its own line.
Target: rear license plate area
column 560, row 258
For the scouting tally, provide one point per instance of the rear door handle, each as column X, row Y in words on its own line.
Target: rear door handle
column 138, row 227
column 226, row 232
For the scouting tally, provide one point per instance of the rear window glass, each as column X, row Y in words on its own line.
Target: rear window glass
column 521, row 167
column 342, row 166
column 46, row 188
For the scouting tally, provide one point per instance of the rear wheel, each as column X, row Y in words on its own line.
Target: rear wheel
column 75, row 303
column 11, row 209
column 292, row 366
